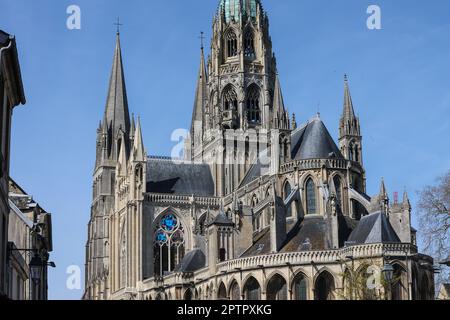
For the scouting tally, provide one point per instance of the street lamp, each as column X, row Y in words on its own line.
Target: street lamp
column 36, row 268
column 388, row 272
column 436, row 269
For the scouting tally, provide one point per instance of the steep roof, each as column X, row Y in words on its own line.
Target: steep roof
column 310, row 234
column 182, row 178
column 193, row 260
column 257, row 170
column 200, row 97
column 313, row 141
column 11, row 55
column 374, row 228
column 222, row 220
column 116, row 110
column 349, row 112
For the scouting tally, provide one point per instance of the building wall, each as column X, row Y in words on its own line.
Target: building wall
column 5, row 124
column 20, row 237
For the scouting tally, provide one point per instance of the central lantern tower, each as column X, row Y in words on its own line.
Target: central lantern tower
column 238, row 91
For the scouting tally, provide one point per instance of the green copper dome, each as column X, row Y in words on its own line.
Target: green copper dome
column 232, row 8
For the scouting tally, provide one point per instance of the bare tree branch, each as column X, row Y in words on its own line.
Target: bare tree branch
column 434, row 220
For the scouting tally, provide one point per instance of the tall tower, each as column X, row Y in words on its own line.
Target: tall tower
column 240, row 93
column 350, row 139
column 112, row 135
column 350, row 143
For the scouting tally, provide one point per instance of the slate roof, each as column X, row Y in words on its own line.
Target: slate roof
column 186, row 178
column 308, row 234
column 4, row 38
column 222, row 220
column 261, row 244
column 373, row 228
column 193, row 260
column 257, row 170
column 312, row 231
column 313, row 141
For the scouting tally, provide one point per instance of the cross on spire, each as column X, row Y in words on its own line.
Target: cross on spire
column 202, row 37
column 118, row 24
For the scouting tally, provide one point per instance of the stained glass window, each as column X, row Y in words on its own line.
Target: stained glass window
column 311, row 196
column 169, row 245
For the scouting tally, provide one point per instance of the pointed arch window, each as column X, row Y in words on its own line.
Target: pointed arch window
column 257, row 218
column 230, row 99
column 300, row 288
column 253, row 108
column 235, row 291
column 252, row 290
column 277, row 288
column 356, row 153
column 351, row 155
column 287, row 192
column 169, row 244
column 232, row 48
column 338, row 187
column 249, row 45
column 311, row 207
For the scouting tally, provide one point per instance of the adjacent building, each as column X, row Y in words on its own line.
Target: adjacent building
column 260, row 207
column 29, row 240
column 11, row 95
column 25, row 227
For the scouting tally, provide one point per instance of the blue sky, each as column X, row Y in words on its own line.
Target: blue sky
column 399, row 78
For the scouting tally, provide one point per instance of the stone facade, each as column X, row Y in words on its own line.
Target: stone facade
column 259, row 208
column 11, row 95
column 29, row 235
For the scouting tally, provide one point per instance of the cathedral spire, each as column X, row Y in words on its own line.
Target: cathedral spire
column 200, row 99
column 350, row 139
column 138, row 146
column 122, row 159
column 383, row 191
column 279, row 110
column 133, row 127
column 117, row 116
column 349, row 113
column 406, row 202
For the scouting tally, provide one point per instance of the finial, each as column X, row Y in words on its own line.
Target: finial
column 201, row 38
column 294, row 122
column 118, row 24
column 345, row 77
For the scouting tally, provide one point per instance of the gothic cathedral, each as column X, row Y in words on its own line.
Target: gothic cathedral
column 258, row 208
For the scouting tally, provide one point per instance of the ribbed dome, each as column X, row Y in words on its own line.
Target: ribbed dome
column 233, row 8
